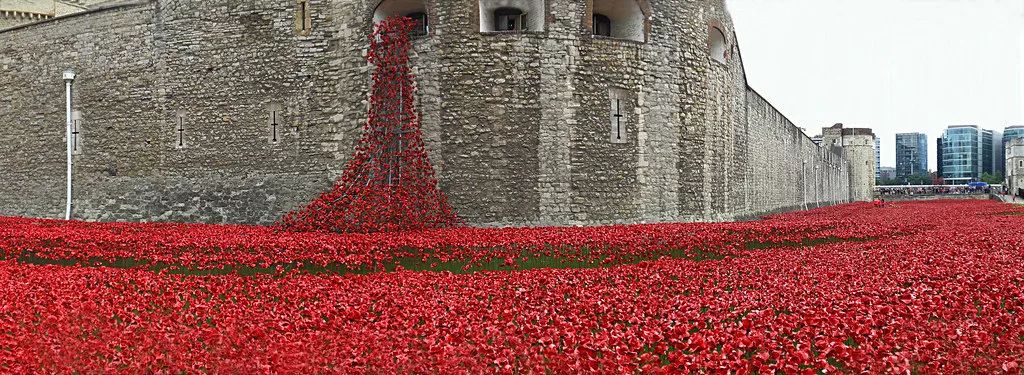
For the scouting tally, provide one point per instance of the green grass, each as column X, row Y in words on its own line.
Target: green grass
column 809, row 242
column 582, row 260
column 431, row 264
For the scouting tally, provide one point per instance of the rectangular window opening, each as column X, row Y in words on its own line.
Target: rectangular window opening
column 303, row 19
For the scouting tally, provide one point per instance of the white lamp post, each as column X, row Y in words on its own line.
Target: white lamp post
column 69, row 78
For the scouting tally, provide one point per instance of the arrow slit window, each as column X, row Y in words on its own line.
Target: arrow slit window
column 180, row 119
column 76, row 133
column 275, row 122
column 303, row 20
column 618, row 113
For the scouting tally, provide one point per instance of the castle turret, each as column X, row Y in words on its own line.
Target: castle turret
column 859, row 153
column 19, row 12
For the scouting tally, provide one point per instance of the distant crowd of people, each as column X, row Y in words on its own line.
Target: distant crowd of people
column 1014, row 194
column 933, row 190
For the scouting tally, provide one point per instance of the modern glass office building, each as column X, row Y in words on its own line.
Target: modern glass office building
column 911, row 154
column 878, row 158
column 968, row 151
column 961, row 154
column 997, row 149
column 1013, row 132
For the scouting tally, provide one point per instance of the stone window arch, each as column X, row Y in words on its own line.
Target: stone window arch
column 626, row 19
column 415, row 9
column 718, row 46
column 511, row 15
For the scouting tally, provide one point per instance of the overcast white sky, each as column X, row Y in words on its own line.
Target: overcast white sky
column 892, row 65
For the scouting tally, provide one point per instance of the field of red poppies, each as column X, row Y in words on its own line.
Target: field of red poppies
column 930, row 287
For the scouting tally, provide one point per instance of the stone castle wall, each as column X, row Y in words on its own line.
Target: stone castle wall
column 1014, row 156
column 176, row 99
column 788, row 171
column 151, row 61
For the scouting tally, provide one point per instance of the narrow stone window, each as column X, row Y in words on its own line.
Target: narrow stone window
column 275, row 122
column 716, row 44
column 509, row 19
column 511, row 15
column 180, row 117
column 602, row 25
column 76, row 133
column 303, row 19
column 618, row 114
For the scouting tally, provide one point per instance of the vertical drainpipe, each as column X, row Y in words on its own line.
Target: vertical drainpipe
column 69, row 78
column 803, row 181
column 817, row 186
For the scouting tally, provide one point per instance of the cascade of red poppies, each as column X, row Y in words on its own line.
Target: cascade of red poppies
column 389, row 183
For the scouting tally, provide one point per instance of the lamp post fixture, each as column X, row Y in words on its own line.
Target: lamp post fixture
column 69, row 78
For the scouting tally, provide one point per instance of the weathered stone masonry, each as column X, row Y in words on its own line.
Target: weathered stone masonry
column 176, row 100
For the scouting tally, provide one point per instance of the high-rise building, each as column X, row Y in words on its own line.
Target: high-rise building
column 986, row 149
column 911, row 154
column 968, row 151
column 1013, row 132
column 998, row 154
column 878, row 158
column 938, row 157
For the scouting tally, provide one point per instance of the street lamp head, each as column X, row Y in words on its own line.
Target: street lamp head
column 69, row 75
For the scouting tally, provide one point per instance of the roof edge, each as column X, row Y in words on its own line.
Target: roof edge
column 103, row 7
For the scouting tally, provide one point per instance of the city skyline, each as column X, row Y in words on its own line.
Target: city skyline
column 914, row 68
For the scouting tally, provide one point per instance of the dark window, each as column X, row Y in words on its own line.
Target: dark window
column 509, row 19
column 421, row 23
column 602, row 25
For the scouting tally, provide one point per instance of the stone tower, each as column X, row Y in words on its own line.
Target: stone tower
column 858, row 149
